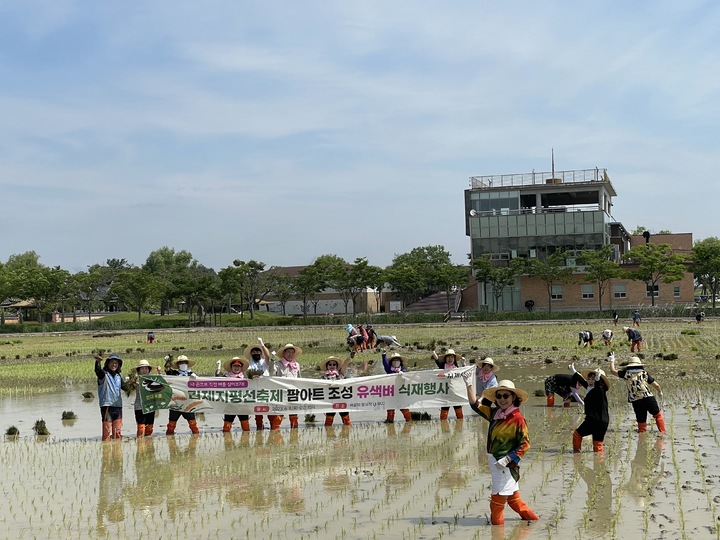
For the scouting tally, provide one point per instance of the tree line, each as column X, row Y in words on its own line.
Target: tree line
column 169, row 277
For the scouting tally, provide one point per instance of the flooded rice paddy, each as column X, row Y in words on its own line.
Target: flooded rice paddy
column 427, row 479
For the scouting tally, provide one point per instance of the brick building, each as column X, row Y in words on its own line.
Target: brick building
column 532, row 215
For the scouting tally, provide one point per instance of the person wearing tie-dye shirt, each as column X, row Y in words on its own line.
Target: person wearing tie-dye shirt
column 507, row 442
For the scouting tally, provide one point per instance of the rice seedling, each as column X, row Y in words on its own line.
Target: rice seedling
column 40, row 428
column 69, row 415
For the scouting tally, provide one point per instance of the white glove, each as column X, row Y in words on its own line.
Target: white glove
column 218, row 364
column 597, row 374
column 502, row 462
column 193, row 376
column 611, row 357
column 572, row 368
column 468, row 377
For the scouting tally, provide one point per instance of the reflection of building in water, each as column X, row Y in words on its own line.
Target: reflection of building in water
column 111, row 495
column 599, row 491
column 646, row 470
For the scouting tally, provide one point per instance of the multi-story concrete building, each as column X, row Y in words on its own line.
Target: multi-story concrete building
column 534, row 214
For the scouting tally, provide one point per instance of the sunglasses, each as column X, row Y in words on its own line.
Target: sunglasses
column 502, row 396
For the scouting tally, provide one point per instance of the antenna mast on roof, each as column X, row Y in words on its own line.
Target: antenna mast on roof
column 552, row 153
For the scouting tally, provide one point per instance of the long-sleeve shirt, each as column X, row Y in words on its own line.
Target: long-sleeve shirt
column 596, row 402
column 109, row 387
column 506, row 437
column 388, row 367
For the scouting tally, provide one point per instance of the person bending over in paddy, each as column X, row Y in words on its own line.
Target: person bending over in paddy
column 638, row 383
column 386, row 341
column 562, row 385
column 585, row 338
column 507, row 443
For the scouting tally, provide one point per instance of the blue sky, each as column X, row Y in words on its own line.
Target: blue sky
column 284, row 131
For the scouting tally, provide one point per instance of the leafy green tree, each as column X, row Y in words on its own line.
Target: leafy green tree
column 306, row 284
column 551, row 271
column 90, row 286
column 256, row 283
column 43, row 285
column 135, row 287
column 421, row 272
column 498, row 277
column 655, row 263
column 169, row 268
column 281, row 284
column 601, row 269
column 706, row 265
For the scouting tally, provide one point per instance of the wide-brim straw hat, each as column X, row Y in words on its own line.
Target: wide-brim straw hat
column 489, row 394
column 182, row 359
column 397, row 356
column 634, row 362
column 490, row 362
column 626, row 328
column 450, row 352
column 227, row 364
column 248, row 350
column 143, row 363
column 586, row 373
column 281, row 350
column 323, row 364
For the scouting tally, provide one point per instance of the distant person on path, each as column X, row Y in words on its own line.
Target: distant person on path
column 639, row 382
column 507, row 443
column 447, row 362
column 635, row 318
column 607, row 336
column 181, row 368
column 562, row 385
column 635, row 338
column 597, row 418
column 585, row 337
column 615, row 317
column 110, row 387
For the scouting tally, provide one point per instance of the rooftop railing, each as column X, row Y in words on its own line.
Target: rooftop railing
column 537, row 178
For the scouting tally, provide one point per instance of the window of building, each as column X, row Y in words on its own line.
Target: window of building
column 619, row 290
column 676, row 292
column 557, row 292
column 587, row 291
column 653, row 290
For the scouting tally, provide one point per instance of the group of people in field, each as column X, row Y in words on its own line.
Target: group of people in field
column 496, row 401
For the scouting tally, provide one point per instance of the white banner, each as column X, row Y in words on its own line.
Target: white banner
column 429, row 389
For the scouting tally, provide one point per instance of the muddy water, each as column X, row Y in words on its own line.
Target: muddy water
column 369, row 480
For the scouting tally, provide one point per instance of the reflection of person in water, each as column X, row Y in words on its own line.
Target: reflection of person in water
column 111, row 495
column 599, row 492
column 646, row 469
column 292, row 499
